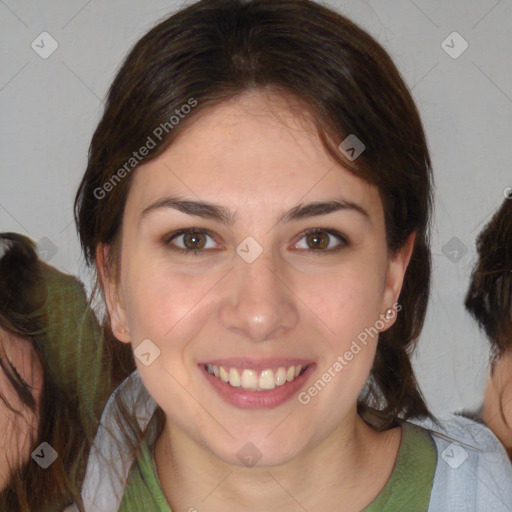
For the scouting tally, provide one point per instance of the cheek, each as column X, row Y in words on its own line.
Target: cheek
column 347, row 301
column 346, row 306
column 156, row 304
column 169, row 308
column 158, row 298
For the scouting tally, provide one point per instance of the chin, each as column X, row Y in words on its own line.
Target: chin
column 256, row 451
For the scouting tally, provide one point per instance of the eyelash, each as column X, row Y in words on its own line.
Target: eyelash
column 191, row 252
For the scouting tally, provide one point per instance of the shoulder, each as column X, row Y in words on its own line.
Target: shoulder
column 473, row 472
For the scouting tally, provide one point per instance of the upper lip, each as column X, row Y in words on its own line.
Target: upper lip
column 257, row 364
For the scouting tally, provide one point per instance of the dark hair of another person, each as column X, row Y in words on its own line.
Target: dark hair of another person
column 215, row 50
column 49, row 310
column 489, row 295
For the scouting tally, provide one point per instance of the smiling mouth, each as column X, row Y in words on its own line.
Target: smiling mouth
column 252, row 380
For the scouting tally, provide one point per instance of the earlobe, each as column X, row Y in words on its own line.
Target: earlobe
column 115, row 304
column 395, row 276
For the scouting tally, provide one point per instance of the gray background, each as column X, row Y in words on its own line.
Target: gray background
column 50, row 107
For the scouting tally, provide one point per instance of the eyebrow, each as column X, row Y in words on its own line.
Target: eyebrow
column 219, row 213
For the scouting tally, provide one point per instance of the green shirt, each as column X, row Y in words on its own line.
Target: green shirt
column 408, row 488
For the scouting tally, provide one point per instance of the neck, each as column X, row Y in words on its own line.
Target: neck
column 350, row 466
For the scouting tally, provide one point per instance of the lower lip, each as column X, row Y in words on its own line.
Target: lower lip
column 245, row 399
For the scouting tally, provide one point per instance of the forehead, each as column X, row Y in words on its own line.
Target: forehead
column 254, row 150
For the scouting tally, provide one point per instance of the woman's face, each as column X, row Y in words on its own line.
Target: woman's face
column 260, row 296
column 18, row 422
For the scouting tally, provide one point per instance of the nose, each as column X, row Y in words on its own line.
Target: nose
column 260, row 305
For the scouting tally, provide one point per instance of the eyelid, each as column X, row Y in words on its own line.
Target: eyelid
column 167, row 239
column 342, row 239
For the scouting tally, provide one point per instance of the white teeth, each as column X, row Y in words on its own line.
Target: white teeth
column 234, row 377
column 280, row 376
column 224, row 377
column 251, row 380
column 267, row 380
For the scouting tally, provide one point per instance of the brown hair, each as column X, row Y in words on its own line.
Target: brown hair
column 49, row 309
column 214, row 50
column 489, row 295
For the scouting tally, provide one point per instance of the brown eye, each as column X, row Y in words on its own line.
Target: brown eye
column 322, row 241
column 317, row 240
column 194, row 240
column 191, row 241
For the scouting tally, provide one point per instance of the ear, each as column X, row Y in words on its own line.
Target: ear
column 397, row 267
column 113, row 295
